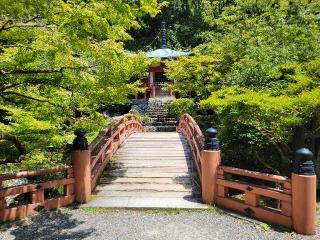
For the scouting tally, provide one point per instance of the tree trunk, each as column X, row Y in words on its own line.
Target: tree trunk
column 16, row 143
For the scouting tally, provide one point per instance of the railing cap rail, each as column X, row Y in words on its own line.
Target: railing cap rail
column 33, row 173
column 254, row 174
column 190, row 119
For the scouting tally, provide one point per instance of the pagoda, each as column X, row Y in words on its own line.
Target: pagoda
column 154, row 85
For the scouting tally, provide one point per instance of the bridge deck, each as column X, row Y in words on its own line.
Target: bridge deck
column 150, row 170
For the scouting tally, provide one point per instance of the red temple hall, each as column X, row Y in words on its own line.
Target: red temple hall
column 156, row 83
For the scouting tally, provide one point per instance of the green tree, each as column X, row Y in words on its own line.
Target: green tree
column 60, row 61
column 184, row 23
column 258, row 70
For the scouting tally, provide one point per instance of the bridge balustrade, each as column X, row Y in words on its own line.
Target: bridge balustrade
column 62, row 177
column 271, row 198
column 71, row 183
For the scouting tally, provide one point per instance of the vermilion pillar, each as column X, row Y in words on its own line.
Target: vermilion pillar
column 304, row 193
column 210, row 161
column 81, row 160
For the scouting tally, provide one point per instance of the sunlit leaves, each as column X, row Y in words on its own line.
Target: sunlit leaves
column 62, row 61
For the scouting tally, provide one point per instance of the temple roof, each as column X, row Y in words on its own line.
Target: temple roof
column 166, row 53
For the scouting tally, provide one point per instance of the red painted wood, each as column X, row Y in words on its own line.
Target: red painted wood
column 39, row 172
column 257, row 175
column 34, row 187
column 264, row 214
column 156, row 69
column 11, row 214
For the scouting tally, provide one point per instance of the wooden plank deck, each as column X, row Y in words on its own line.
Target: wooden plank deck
column 150, row 170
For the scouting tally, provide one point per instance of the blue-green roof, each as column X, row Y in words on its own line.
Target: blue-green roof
column 166, row 53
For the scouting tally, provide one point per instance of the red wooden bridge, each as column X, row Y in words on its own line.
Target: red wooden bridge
column 126, row 167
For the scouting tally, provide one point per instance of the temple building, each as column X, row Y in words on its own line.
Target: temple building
column 156, row 81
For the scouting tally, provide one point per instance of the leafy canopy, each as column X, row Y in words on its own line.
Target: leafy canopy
column 60, row 62
column 258, row 70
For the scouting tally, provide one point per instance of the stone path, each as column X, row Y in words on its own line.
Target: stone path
column 150, row 170
column 104, row 224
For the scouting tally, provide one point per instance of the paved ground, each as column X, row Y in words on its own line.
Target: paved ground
column 91, row 223
column 150, row 170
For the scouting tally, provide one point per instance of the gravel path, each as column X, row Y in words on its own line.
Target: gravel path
column 67, row 223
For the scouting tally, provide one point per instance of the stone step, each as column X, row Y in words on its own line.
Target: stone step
column 162, row 118
column 149, row 170
column 148, row 194
column 151, row 160
column 182, row 180
column 162, row 156
column 152, row 151
column 153, row 146
column 144, row 187
column 161, row 129
column 156, row 110
column 158, row 115
column 142, row 165
column 149, row 175
column 167, row 123
column 146, row 203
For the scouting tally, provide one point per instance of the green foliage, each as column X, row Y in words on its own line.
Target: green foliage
column 265, row 227
column 181, row 106
column 60, row 62
column 258, row 71
column 184, row 24
column 135, row 112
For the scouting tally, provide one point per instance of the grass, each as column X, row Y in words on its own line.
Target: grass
column 215, row 210
column 174, row 211
column 98, row 210
column 264, row 227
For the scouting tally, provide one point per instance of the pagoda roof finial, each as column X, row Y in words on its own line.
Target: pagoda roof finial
column 163, row 35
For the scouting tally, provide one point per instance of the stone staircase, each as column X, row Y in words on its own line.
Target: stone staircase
column 159, row 117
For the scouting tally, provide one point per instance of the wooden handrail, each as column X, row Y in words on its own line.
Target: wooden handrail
column 40, row 172
column 189, row 127
column 254, row 174
column 126, row 125
column 103, row 147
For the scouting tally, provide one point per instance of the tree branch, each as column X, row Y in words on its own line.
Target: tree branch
column 35, row 82
column 31, row 98
column 22, row 71
column 12, row 20
column 41, row 71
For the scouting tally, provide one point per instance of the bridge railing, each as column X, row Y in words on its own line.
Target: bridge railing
column 271, row 198
column 107, row 143
column 55, row 187
column 36, row 193
column 192, row 132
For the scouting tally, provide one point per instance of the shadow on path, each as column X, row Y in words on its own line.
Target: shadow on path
column 49, row 225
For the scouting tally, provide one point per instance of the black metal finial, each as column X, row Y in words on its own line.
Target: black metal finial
column 80, row 142
column 303, row 164
column 163, row 35
column 212, row 142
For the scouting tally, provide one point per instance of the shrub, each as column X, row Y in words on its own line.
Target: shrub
column 181, row 106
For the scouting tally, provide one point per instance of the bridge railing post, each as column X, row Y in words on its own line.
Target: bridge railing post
column 304, row 182
column 210, row 161
column 81, row 160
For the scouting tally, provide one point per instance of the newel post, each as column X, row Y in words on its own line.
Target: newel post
column 210, row 161
column 304, row 193
column 81, row 159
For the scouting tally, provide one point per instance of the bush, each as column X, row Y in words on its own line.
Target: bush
column 181, row 106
